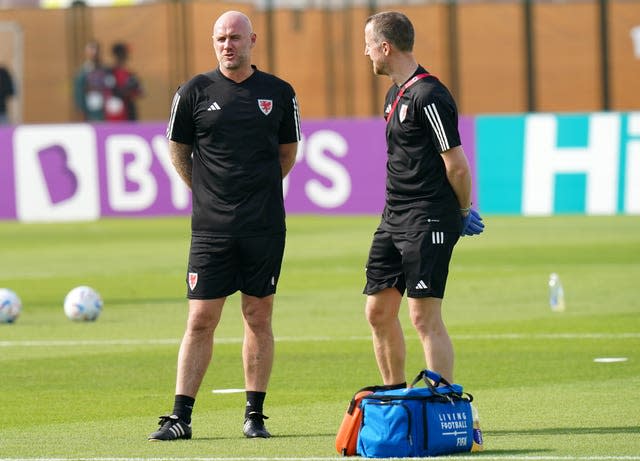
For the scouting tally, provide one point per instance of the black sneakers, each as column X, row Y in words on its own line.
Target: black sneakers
column 254, row 426
column 171, row 428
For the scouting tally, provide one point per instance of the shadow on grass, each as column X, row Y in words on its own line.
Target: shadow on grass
column 492, row 452
column 566, row 431
column 487, row 434
column 273, row 436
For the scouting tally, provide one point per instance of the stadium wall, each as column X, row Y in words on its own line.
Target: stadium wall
column 531, row 164
column 478, row 48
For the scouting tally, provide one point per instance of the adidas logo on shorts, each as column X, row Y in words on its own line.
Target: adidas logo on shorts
column 421, row 285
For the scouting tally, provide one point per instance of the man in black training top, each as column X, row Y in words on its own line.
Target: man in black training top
column 428, row 204
column 233, row 136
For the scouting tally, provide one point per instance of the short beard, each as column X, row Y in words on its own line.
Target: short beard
column 379, row 70
column 230, row 65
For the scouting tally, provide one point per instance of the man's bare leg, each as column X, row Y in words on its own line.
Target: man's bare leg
column 382, row 310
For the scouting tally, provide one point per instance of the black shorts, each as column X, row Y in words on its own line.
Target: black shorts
column 220, row 266
column 417, row 262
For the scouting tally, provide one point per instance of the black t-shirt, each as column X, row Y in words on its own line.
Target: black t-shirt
column 235, row 130
column 423, row 125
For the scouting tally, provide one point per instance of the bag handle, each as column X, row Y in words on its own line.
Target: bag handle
column 353, row 403
column 431, row 378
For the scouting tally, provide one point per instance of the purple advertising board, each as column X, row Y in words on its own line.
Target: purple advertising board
column 7, row 182
column 86, row 171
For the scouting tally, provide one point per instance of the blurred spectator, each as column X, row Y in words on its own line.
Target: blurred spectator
column 7, row 90
column 89, row 86
column 124, row 85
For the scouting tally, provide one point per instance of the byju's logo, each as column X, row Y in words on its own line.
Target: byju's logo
column 56, row 173
column 61, row 182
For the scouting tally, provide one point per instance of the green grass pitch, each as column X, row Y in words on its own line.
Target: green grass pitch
column 94, row 390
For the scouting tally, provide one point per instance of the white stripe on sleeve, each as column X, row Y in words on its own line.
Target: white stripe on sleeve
column 436, row 124
column 172, row 117
column 296, row 116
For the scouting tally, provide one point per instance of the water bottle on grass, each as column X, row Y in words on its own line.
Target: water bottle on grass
column 556, row 293
column 477, row 432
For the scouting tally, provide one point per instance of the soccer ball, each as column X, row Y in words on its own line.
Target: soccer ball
column 10, row 306
column 82, row 303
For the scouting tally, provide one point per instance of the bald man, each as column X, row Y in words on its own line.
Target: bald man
column 233, row 135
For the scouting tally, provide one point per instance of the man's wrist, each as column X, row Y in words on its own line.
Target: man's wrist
column 466, row 211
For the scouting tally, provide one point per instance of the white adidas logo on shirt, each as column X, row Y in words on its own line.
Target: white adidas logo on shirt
column 214, row 106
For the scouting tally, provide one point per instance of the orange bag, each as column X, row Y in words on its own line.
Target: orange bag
column 347, row 437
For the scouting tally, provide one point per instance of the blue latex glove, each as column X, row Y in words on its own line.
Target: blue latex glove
column 472, row 224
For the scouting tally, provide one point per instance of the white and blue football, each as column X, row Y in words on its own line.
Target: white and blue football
column 83, row 303
column 10, row 306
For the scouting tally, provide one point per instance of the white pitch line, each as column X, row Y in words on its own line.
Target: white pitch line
column 464, row 457
column 634, row 335
column 174, row 341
